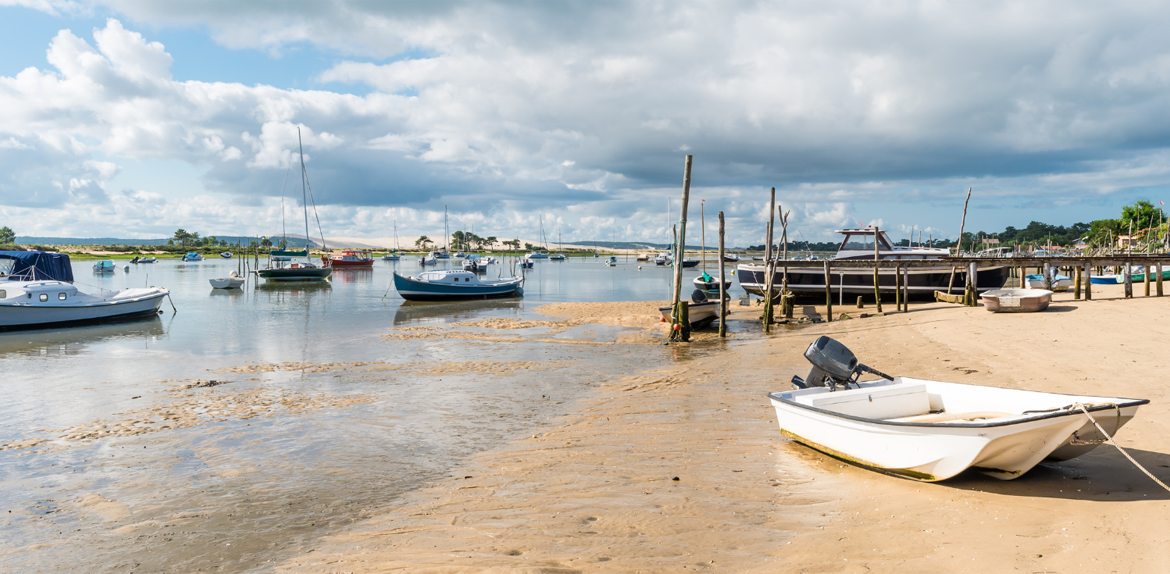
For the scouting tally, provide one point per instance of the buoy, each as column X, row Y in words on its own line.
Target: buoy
column 677, row 327
column 662, row 319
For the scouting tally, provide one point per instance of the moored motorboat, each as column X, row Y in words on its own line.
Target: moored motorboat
column 1059, row 282
column 730, row 257
column 806, row 278
column 663, row 259
column 232, row 281
column 104, row 266
column 147, row 260
column 349, row 259
column 37, row 291
column 226, row 254
column 1016, row 300
column 451, row 285
column 710, row 284
column 477, row 264
column 932, row 430
column 192, row 257
column 1106, row 279
column 391, row 257
column 690, row 263
column 700, row 311
column 611, row 262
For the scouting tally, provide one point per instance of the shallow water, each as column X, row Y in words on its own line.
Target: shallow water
column 234, row 493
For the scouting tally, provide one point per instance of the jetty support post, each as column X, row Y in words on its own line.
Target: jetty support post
column 898, row 288
column 877, row 290
column 828, row 294
column 906, row 288
column 1077, row 283
column 1147, row 280
column 972, row 283
column 722, row 285
column 1048, row 275
column 682, row 334
column 1088, row 281
column 1023, row 280
column 1159, row 276
column 1128, row 280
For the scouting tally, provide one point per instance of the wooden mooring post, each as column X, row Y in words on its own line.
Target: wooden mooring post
column 769, row 266
column 1128, row 280
column 681, row 314
column 1077, row 284
column 877, row 290
column 906, row 288
column 972, row 281
column 898, row 289
column 1147, row 281
column 1159, row 276
column 722, row 284
column 1088, row 281
column 828, row 294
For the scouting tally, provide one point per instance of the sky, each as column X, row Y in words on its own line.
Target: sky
column 133, row 118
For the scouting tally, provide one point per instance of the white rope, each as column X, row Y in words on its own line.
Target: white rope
column 1114, row 443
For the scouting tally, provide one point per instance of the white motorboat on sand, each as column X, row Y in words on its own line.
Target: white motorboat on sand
column 931, row 430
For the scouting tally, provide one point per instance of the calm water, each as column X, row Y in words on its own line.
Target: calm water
column 236, row 495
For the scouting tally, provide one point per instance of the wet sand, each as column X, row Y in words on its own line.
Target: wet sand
column 683, row 468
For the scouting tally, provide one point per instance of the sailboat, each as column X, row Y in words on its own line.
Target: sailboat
column 442, row 253
column 557, row 256
column 706, row 282
column 537, row 253
column 393, row 256
column 280, row 266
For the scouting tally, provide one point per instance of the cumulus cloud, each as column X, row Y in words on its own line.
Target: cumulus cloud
column 853, row 111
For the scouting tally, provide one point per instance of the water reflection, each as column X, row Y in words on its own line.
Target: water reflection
column 422, row 312
column 133, row 331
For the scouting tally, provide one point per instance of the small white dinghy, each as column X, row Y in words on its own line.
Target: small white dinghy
column 232, row 281
column 930, row 430
column 1016, row 300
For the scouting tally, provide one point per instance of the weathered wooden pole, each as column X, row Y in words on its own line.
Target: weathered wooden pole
column 972, row 283
column 898, row 288
column 1047, row 275
column 877, row 291
column 1128, row 280
column 722, row 284
column 1159, row 276
column 769, row 265
column 906, row 288
column 784, row 241
column 678, row 335
column 1088, row 281
column 1023, row 277
column 1147, row 280
column 1077, row 284
column 828, row 294
column 959, row 245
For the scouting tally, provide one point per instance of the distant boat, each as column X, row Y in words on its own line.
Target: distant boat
column 730, row 257
column 349, row 259
column 192, row 257
column 104, row 266
column 477, row 264
column 38, row 292
column 537, row 255
column 612, row 261
column 147, row 260
column 1059, row 282
column 642, row 257
column 232, row 281
column 690, row 263
column 663, row 259
column 393, row 255
column 1106, row 279
column 451, row 285
column 226, row 255
column 428, row 260
column 556, row 257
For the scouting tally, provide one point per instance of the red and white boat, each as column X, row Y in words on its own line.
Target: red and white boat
column 349, row 258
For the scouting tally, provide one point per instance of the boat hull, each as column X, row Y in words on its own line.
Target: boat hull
column 1016, row 300
column 414, row 290
column 34, row 317
column 296, row 273
column 1033, row 427
column 700, row 314
column 227, row 282
column 859, row 281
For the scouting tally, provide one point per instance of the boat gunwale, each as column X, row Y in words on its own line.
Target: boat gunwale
column 1121, row 403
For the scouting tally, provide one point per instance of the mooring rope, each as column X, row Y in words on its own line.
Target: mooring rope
column 1114, row 443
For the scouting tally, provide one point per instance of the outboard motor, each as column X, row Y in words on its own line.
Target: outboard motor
column 832, row 364
column 698, row 296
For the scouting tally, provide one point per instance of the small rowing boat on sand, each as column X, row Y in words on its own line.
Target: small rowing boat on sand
column 931, row 430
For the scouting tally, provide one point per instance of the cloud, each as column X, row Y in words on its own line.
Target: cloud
column 866, row 111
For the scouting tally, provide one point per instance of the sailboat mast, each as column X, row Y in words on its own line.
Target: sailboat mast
column 304, row 196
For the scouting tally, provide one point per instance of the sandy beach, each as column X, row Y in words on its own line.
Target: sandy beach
column 683, row 468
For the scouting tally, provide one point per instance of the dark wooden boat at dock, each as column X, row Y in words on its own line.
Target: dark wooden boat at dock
column 808, row 278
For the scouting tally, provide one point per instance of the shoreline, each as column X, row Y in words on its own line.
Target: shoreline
column 596, row 491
